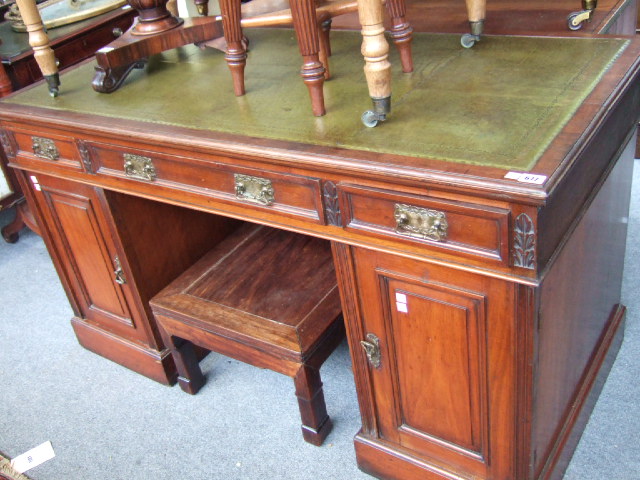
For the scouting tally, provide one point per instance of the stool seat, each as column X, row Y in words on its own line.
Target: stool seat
column 265, row 297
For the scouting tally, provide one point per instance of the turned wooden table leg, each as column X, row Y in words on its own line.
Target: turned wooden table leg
column 39, row 41
column 236, row 53
column 476, row 10
column 401, row 32
column 305, row 24
column 377, row 69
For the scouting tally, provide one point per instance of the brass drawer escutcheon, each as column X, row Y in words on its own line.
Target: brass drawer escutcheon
column 45, row 148
column 254, row 189
column 137, row 166
column 421, row 222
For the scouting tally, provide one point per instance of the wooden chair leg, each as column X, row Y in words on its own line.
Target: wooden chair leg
column 401, row 32
column 476, row 10
column 377, row 68
column 325, row 46
column 316, row 423
column 190, row 375
column 306, row 27
column 39, row 41
column 236, row 55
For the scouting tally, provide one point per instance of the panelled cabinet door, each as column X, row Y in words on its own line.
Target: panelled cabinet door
column 442, row 369
column 93, row 266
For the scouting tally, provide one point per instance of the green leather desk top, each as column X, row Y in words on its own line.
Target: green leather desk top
column 498, row 104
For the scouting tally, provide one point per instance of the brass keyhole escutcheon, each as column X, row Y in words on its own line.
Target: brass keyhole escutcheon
column 371, row 347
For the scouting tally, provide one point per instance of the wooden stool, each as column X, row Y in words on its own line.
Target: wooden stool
column 311, row 20
column 265, row 297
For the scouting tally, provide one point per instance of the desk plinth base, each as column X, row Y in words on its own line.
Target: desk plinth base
column 154, row 364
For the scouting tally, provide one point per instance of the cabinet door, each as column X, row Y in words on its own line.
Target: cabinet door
column 440, row 362
column 86, row 250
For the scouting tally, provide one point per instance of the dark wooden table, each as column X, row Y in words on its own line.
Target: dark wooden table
column 71, row 44
column 478, row 236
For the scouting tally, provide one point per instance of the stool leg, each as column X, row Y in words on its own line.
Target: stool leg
column 325, row 46
column 236, row 55
column 190, row 375
column 401, row 32
column 306, row 27
column 377, row 68
column 476, row 10
column 316, row 424
column 39, row 41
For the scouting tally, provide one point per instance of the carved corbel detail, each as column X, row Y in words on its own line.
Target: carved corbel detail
column 524, row 242
column 331, row 204
column 7, row 144
column 85, row 155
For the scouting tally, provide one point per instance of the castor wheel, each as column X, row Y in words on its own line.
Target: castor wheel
column 381, row 108
column 370, row 119
column 468, row 40
column 575, row 20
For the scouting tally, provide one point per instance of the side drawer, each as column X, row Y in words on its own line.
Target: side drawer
column 34, row 148
column 471, row 229
column 293, row 195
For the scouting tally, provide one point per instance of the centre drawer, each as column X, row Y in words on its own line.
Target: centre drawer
column 283, row 193
column 447, row 225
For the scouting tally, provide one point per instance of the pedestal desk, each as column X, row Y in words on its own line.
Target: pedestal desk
column 478, row 235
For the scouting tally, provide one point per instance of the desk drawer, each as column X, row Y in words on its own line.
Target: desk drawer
column 472, row 229
column 293, row 195
column 46, row 148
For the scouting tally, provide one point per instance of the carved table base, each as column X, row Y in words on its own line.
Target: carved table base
column 120, row 57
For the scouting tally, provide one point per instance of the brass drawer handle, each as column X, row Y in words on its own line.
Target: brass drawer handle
column 45, row 148
column 254, row 189
column 372, row 349
column 137, row 166
column 421, row 223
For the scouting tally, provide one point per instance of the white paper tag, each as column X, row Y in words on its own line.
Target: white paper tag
column 526, row 177
column 36, row 185
column 33, row 457
column 401, row 303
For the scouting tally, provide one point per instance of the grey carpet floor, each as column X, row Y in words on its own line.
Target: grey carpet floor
column 106, row 422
